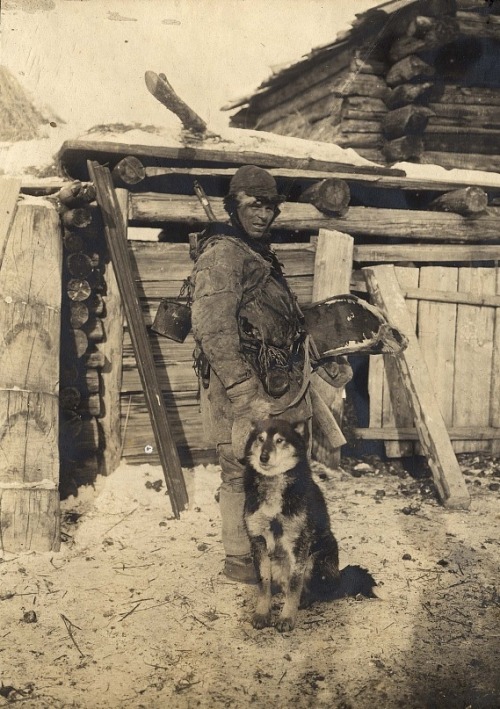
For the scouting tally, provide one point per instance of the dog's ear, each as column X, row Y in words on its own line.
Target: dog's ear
column 300, row 428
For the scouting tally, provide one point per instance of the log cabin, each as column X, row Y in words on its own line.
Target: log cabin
column 411, row 80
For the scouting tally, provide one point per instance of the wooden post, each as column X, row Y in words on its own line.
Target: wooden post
column 30, row 322
column 116, row 240
column 112, row 351
column 495, row 375
column 332, row 276
column 384, row 288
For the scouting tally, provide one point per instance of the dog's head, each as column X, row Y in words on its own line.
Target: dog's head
column 274, row 446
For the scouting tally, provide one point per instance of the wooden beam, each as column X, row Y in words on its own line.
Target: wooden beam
column 156, row 208
column 72, row 155
column 442, row 296
column 118, row 249
column 411, row 434
column 427, row 253
column 30, row 326
column 384, row 288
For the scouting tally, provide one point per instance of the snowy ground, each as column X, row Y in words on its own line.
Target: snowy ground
column 134, row 611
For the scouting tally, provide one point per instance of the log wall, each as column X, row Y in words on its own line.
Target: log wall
column 423, row 88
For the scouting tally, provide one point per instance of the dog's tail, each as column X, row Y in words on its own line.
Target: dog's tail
column 351, row 581
column 355, row 581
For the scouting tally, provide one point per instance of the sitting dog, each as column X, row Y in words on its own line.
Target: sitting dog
column 289, row 528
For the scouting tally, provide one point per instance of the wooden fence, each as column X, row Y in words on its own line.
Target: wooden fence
column 457, row 318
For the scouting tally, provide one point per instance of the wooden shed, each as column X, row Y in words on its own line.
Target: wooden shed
column 425, row 250
column 439, row 235
column 412, row 80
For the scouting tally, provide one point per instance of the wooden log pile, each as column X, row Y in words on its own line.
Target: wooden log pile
column 82, row 331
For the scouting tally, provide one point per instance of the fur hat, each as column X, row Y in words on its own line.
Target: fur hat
column 255, row 182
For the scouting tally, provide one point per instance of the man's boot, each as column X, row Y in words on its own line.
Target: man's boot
column 238, row 565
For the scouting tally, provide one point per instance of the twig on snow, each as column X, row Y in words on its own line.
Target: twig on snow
column 69, row 627
column 122, row 519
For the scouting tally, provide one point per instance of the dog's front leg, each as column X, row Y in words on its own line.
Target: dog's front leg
column 262, row 616
column 299, row 569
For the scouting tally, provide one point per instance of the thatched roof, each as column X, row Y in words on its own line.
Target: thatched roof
column 21, row 120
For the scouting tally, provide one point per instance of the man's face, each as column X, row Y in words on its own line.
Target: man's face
column 255, row 217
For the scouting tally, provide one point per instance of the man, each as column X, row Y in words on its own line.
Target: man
column 249, row 330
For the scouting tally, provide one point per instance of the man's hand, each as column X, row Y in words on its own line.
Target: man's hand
column 248, row 407
column 336, row 372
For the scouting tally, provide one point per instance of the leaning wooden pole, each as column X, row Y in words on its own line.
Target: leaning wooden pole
column 116, row 241
column 30, row 323
column 111, row 349
column 417, row 382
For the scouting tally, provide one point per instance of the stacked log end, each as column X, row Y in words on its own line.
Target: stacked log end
column 436, row 112
column 82, row 329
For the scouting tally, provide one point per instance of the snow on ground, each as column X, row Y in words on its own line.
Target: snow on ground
column 134, row 611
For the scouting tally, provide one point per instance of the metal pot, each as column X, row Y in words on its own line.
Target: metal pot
column 173, row 319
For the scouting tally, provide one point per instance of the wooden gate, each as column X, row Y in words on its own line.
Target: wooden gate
column 457, row 321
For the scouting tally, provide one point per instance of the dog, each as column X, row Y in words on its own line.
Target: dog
column 287, row 521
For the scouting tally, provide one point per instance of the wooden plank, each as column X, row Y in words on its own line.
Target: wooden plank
column 495, row 375
column 162, row 260
column 332, row 273
column 112, row 350
column 396, row 407
column 180, row 376
column 156, row 208
column 488, row 301
column 485, row 434
column 384, row 288
column 30, row 325
column 186, row 425
column 117, row 246
column 474, row 354
column 301, row 285
column 435, row 253
column 436, row 335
